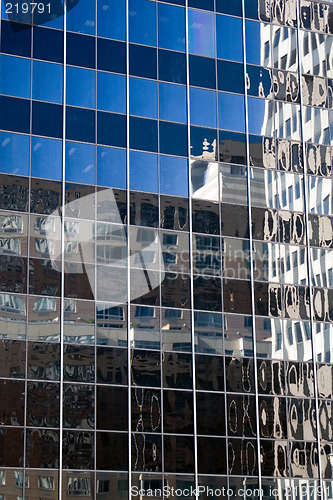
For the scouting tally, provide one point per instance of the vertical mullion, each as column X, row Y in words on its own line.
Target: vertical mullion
column 251, row 252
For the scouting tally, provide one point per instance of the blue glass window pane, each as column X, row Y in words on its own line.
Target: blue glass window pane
column 202, row 72
column 111, row 129
column 111, row 92
column 47, row 119
column 111, row 167
column 143, row 172
column 231, row 112
column 16, row 38
column 15, row 76
column 143, row 134
column 48, row 44
column 172, row 103
column 201, row 33
column 14, row 153
column 257, row 111
column 80, row 124
column 111, row 20
column 203, row 107
column 82, row 17
column 143, row 98
column 173, row 176
column 172, row 66
column 81, row 87
column 173, row 138
column 229, row 38
column 142, row 22
column 254, row 41
column 14, row 114
column 143, row 61
column 80, row 162
column 47, row 82
column 171, row 27
column 46, row 158
column 80, row 50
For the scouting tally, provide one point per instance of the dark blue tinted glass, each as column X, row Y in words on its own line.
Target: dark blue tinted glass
column 173, row 176
column 202, row 72
column 172, row 66
column 259, row 81
column 142, row 22
column 143, row 134
column 14, row 153
column 111, row 167
column 47, row 83
column 229, row 38
column 111, row 19
column 46, row 119
column 15, row 76
column 143, row 171
column 14, row 114
column 80, row 124
column 111, row 129
column 111, row 56
column 232, row 147
column 233, row 8
column 143, row 61
column 202, row 4
column 80, row 162
column 199, row 135
column 46, row 158
column 176, row 2
column 111, row 92
column 80, row 50
column 171, row 27
column 173, row 139
column 48, row 44
column 257, row 10
column 15, row 38
column 172, row 102
column 230, row 76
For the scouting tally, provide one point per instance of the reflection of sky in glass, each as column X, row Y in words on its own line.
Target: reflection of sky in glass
column 46, row 158
column 172, row 102
column 80, row 87
column 111, row 21
column 203, row 107
column 47, row 82
column 143, row 97
column 111, row 167
column 80, row 162
column 256, row 110
column 82, row 17
column 201, row 33
column 143, row 171
column 111, row 92
column 229, row 38
column 231, row 112
column 254, row 41
column 171, row 27
column 14, row 153
column 174, row 176
column 15, row 76
column 142, row 22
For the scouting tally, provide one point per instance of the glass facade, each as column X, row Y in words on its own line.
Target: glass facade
column 166, row 249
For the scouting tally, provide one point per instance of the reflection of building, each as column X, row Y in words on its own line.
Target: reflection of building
column 153, row 337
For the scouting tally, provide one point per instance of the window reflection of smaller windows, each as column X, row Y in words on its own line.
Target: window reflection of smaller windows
column 46, row 482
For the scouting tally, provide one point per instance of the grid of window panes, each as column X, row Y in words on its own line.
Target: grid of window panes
column 185, row 145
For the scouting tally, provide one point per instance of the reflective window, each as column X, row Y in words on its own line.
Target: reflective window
column 142, row 22
column 143, row 98
column 171, row 27
column 82, row 17
column 14, row 153
column 46, row 158
column 15, row 76
column 80, row 87
column 172, row 102
column 231, row 112
column 261, row 116
column 111, row 167
column 229, row 38
column 143, row 172
column 80, row 162
column 173, row 176
column 256, row 35
column 201, row 33
column 111, row 22
column 111, row 92
column 203, row 107
column 47, row 82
